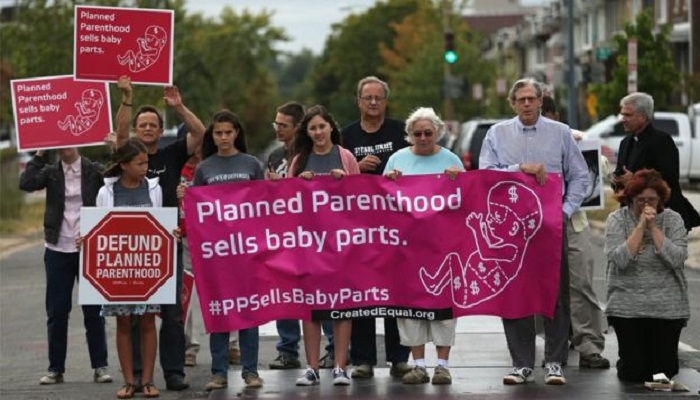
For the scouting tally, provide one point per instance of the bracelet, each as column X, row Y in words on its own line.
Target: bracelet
column 126, row 104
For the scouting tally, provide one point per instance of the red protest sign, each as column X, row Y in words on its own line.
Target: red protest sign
column 57, row 111
column 111, row 42
column 127, row 257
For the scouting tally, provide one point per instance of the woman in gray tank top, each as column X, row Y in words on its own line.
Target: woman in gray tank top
column 318, row 151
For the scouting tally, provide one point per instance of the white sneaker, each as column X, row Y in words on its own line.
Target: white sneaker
column 553, row 374
column 101, row 375
column 309, row 378
column 340, row 377
column 518, row 376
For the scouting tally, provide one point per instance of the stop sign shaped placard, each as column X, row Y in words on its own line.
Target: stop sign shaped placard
column 128, row 256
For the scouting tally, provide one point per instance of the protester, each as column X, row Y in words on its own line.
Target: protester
column 587, row 323
column 372, row 139
column 286, row 123
column 646, row 246
column 186, row 178
column 646, row 147
column 425, row 156
column 317, row 151
column 165, row 164
column 70, row 183
column 536, row 146
column 224, row 162
column 126, row 186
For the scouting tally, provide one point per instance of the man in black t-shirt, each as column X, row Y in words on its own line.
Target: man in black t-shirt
column 287, row 121
column 373, row 139
column 166, row 164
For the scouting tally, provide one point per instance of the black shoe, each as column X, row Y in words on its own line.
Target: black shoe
column 285, row 362
column 176, row 383
column 594, row 360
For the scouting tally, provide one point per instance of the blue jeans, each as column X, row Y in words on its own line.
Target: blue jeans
column 61, row 274
column 248, row 340
column 290, row 335
column 327, row 328
column 171, row 340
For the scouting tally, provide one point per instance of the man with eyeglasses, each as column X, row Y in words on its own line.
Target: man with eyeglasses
column 536, row 146
column 646, row 147
column 373, row 139
column 285, row 125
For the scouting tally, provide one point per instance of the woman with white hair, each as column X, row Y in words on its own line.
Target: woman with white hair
column 424, row 128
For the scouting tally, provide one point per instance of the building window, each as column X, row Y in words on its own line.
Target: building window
column 661, row 11
column 586, row 31
column 612, row 21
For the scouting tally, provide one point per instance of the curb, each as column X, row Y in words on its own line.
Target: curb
column 9, row 244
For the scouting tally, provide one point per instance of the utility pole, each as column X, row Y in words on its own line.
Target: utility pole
column 573, row 90
column 447, row 73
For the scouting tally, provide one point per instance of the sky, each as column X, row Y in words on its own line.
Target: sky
column 306, row 22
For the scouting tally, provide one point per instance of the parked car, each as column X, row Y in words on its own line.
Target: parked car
column 469, row 141
column 683, row 128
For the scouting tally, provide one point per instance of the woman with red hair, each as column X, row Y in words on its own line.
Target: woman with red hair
column 646, row 247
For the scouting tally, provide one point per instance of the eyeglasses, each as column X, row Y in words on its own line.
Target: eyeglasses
column 426, row 133
column 369, row 99
column 646, row 200
column 279, row 125
column 523, row 100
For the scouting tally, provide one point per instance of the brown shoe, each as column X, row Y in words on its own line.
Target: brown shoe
column 441, row 376
column 234, row 356
column 416, row 376
column 594, row 360
column 190, row 360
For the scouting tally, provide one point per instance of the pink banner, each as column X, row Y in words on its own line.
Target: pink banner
column 111, row 41
column 57, row 111
column 422, row 247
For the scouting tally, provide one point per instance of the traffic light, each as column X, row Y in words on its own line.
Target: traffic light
column 450, row 52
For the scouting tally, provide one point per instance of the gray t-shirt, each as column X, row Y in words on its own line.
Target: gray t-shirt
column 131, row 197
column 216, row 170
column 324, row 163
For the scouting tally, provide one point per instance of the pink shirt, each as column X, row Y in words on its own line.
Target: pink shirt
column 70, row 228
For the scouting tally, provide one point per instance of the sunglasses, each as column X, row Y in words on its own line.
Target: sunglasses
column 426, row 133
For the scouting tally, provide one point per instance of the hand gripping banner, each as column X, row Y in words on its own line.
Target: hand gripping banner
column 423, row 247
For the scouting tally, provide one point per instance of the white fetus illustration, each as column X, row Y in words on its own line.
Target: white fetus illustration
column 501, row 237
column 149, row 49
column 89, row 106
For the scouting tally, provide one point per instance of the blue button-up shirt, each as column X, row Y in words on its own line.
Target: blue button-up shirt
column 550, row 143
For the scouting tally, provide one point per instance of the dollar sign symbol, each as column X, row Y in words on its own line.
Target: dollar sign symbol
column 482, row 269
column 513, row 195
column 474, row 287
column 497, row 279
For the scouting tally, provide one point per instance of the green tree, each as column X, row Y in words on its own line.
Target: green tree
column 292, row 72
column 657, row 74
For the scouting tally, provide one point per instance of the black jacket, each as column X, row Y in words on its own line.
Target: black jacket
column 39, row 175
column 659, row 152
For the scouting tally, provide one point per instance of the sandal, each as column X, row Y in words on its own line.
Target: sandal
column 150, row 390
column 126, row 391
